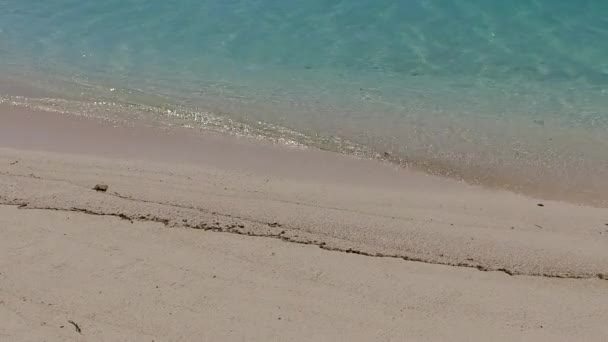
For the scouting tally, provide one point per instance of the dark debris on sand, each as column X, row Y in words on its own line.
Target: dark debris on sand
column 100, row 187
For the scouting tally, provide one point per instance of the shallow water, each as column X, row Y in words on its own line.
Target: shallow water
column 511, row 93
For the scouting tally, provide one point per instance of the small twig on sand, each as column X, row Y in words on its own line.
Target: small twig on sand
column 76, row 326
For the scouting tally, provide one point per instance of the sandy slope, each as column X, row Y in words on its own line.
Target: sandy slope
column 489, row 264
column 414, row 218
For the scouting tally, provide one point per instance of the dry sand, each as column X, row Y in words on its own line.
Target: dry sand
column 206, row 237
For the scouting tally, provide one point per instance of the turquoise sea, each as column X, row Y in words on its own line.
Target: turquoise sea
column 504, row 93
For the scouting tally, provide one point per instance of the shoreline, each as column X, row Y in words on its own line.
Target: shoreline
column 525, row 171
column 549, row 162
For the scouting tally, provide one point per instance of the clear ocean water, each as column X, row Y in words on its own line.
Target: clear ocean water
column 508, row 93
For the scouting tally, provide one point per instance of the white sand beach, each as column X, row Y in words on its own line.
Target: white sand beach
column 207, row 237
